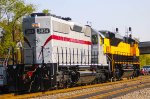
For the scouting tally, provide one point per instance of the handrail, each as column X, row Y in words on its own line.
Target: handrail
column 5, row 63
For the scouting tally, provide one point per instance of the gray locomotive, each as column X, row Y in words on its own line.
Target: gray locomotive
column 59, row 53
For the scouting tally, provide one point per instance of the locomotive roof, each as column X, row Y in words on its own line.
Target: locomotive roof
column 106, row 33
column 48, row 14
column 66, row 20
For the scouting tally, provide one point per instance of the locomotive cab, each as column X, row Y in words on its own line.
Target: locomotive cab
column 36, row 28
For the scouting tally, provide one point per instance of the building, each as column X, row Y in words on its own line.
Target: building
column 144, row 47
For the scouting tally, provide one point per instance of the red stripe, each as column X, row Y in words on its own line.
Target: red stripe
column 55, row 37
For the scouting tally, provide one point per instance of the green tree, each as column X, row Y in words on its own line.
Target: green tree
column 46, row 11
column 11, row 14
column 145, row 59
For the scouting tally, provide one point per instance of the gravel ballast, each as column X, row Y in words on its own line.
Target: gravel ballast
column 140, row 94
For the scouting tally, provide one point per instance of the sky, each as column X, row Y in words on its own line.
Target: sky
column 103, row 14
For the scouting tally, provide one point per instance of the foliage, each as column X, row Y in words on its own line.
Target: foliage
column 11, row 14
column 145, row 59
column 46, row 11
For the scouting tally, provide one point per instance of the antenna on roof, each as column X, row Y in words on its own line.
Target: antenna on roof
column 130, row 32
column 117, row 30
column 89, row 23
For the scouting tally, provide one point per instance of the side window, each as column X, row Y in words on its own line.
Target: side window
column 94, row 39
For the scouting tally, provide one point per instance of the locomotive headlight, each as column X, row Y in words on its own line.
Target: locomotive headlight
column 37, row 25
column 14, row 66
column 1, row 76
column 40, row 66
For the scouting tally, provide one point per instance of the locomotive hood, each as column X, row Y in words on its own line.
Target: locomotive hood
column 97, row 32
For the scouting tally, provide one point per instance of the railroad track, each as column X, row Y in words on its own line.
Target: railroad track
column 110, row 89
column 120, row 91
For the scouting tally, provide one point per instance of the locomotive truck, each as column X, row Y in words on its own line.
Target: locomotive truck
column 59, row 53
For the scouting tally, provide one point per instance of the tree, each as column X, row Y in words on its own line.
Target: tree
column 46, row 11
column 11, row 14
column 144, row 59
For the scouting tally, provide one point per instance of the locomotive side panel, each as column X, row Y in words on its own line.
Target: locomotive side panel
column 70, row 45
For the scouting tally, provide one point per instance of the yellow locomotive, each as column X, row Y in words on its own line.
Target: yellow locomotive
column 122, row 53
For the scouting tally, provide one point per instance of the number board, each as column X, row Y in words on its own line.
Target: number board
column 30, row 31
column 43, row 30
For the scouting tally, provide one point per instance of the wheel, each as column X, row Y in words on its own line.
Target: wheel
column 4, row 89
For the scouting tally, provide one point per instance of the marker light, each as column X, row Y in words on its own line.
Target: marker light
column 35, row 25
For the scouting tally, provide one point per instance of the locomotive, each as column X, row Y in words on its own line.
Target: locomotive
column 59, row 53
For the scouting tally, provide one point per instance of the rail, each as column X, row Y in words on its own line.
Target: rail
column 55, row 92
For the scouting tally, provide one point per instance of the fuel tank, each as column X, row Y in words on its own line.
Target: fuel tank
column 128, row 70
column 83, row 77
column 127, row 73
column 86, row 77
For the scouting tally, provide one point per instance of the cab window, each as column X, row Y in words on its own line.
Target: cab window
column 94, row 39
